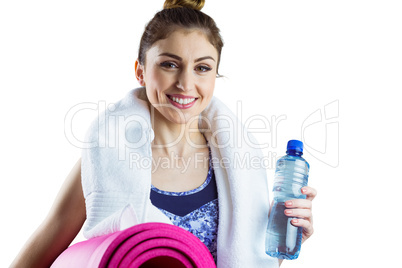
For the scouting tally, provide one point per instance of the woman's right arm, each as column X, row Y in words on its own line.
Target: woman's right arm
column 59, row 228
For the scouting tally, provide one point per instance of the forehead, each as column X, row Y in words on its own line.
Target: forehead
column 184, row 43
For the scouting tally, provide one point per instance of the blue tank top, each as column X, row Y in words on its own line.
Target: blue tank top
column 195, row 211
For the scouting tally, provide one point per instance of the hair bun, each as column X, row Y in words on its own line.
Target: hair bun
column 193, row 4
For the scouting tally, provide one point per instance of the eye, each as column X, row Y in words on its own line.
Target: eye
column 203, row 68
column 168, row 65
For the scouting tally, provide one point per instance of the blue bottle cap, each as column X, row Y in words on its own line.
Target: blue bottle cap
column 295, row 145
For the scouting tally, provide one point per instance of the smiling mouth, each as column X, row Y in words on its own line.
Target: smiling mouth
column 182, row 101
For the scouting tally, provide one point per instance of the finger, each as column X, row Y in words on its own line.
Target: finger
column 308, row 229
column 299, row 203
column 299, row 213
column 310, row 192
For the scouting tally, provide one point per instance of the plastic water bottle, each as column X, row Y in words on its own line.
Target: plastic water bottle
column 283, row 240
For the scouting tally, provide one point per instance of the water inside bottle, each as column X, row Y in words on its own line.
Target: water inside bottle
column 287, row 245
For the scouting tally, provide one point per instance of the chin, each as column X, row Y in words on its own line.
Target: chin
column 184, row 119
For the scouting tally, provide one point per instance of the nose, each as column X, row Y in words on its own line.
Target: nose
column 185, row 80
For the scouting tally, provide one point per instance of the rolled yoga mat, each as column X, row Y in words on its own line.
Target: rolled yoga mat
column 143, row 245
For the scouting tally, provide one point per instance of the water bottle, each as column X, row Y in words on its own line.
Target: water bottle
column 283, row 240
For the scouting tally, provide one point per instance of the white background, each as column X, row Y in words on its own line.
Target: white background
column 287, row 58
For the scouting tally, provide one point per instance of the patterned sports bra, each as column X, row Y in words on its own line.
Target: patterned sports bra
column 195, row 211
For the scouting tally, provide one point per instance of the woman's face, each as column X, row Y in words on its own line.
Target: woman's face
column 179, row 75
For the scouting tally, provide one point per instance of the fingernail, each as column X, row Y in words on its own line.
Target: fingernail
column 295, row 221
column 288, row 203
column 304, row 190
column 288, row 212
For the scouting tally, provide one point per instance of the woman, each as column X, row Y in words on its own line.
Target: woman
column 174, row 122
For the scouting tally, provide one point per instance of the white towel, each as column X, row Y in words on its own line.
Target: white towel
column 116, row 178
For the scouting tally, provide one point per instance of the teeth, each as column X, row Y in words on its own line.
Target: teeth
column 183, row 101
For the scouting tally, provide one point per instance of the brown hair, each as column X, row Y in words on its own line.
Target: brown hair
column 179, row 14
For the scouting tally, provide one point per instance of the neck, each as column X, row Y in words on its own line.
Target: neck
column 180, row 139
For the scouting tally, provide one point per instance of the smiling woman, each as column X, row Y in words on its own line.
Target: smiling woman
column 179, row 68
column 173, row 116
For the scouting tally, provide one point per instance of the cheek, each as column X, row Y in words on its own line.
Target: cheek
column 208, row 88
column 153, row 85
column 158, row 80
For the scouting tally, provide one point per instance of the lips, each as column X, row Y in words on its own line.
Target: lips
column 182, row 101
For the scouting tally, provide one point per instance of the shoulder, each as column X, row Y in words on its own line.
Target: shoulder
column 130, row 112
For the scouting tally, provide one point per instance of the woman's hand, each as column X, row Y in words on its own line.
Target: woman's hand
column 301, row 209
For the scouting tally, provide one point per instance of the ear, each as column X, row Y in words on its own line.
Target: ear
column 139, row 73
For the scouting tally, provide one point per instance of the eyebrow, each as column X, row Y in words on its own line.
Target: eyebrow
column 180, row 59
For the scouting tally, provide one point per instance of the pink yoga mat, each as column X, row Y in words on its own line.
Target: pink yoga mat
column 143, row 245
